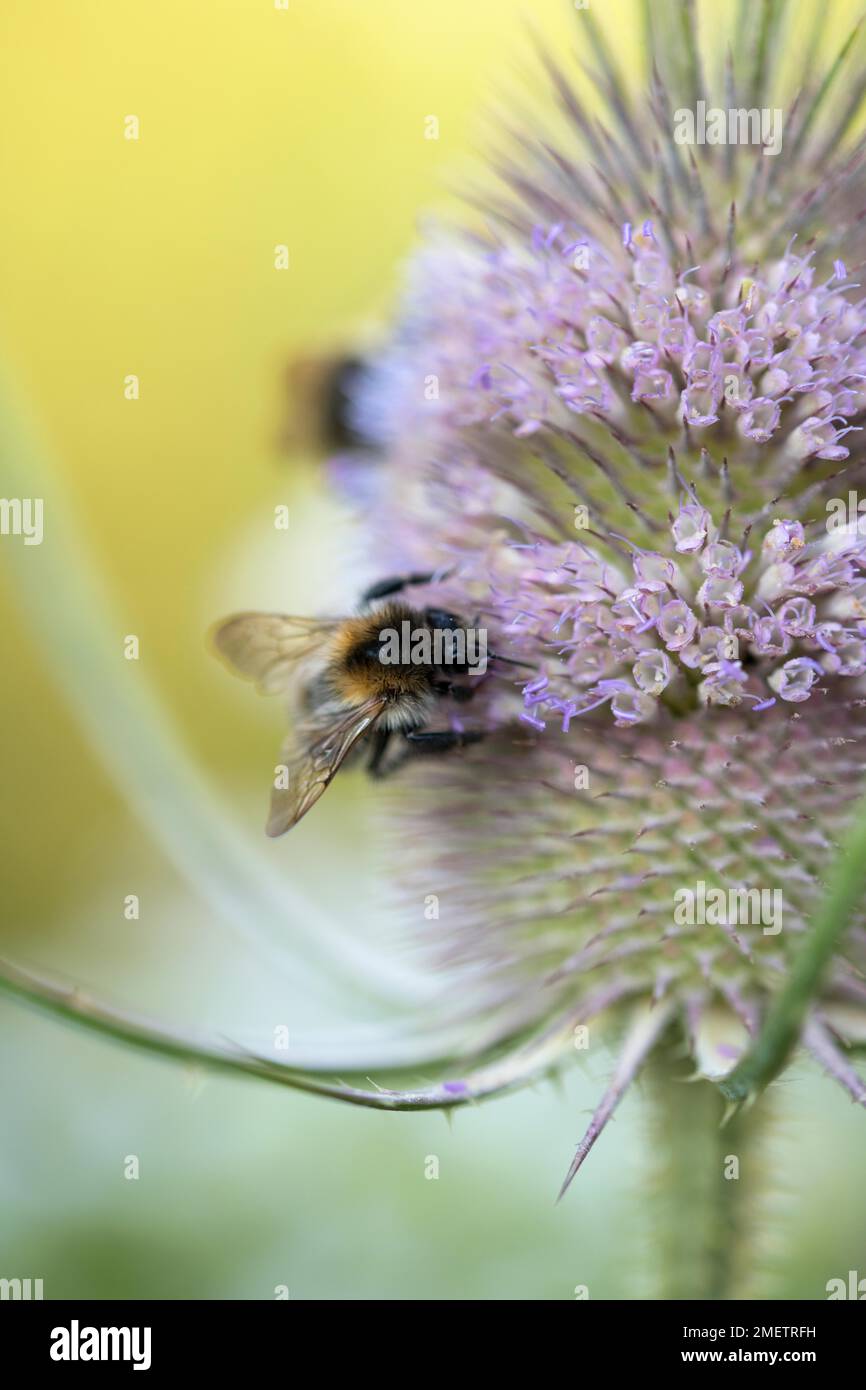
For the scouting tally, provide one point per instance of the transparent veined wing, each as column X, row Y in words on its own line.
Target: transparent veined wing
column 268, row 647
column 311, row 760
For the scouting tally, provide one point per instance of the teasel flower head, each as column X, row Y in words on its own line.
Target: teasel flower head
column 621, row 424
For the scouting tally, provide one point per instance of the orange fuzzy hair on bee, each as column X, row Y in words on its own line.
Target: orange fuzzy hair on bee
column 355, row 669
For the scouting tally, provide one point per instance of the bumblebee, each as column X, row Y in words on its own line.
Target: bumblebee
column 350, row 697
column 320, row 394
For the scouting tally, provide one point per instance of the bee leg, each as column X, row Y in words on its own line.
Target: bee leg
column 509, row 661
column 460, row 693
column 441, row 740
column 379, row 742
column 395, row 585
column 426, row 742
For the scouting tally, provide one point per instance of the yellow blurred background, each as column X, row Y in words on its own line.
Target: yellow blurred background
column 258, row 127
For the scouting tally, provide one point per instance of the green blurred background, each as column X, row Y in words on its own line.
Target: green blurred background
column 258, row 126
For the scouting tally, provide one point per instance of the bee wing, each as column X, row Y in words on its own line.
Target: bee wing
column 311, row 769
column 267, row 647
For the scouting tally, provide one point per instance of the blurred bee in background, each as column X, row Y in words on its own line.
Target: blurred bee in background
column 348, row 696
column 321, row 390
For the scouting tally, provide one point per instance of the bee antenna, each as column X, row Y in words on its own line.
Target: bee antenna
column 509, row 661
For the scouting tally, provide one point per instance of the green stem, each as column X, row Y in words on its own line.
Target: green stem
column 494, row 1072
column 703, row 1184
column 785, row 1017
